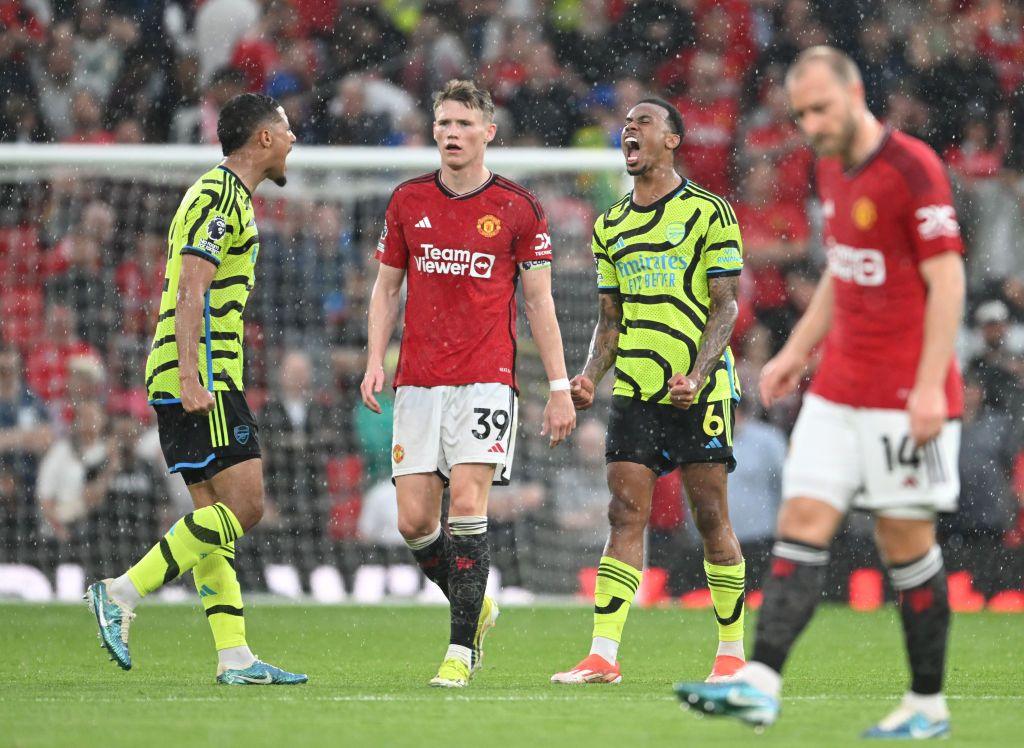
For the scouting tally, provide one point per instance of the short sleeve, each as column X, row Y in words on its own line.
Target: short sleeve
column 933, row 226
column 607, row 278
column 391, row 247
column 209, row 234
column 532, row 244
column 723, row 254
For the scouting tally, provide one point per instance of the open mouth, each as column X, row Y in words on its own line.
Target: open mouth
column 632, row 148
column 453, row 148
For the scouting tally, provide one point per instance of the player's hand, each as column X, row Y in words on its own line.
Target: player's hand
column 373, row 382
column 682, row 389
column 581, row 389
column 780, row 376
column 559, row 417
column 195, row 398
column 928, row 412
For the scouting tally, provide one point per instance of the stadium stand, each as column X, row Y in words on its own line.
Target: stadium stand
column 80, row 267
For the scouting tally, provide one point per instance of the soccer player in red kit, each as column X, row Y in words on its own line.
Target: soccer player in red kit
column 463, row 238
column 878, row 429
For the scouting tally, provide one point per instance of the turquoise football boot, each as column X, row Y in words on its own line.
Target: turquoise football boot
column 113, row 620
column 730, row 699
column 260, row 674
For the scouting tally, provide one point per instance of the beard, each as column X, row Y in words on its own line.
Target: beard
column 842, row 142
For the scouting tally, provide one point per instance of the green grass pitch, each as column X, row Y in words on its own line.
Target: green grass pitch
column 368, row 670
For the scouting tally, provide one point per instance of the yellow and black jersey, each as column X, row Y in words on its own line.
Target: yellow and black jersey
column 214, row 221
column 660, row 258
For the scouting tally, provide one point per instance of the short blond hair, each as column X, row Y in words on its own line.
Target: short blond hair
column 466, row 92
column 840, row 63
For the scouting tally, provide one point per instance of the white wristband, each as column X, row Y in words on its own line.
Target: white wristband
column 559, row 385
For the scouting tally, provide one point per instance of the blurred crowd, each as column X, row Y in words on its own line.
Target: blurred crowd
column 79, row 275
column 361, row 73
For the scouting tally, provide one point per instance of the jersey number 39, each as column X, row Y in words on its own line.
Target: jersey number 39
column 486, row 418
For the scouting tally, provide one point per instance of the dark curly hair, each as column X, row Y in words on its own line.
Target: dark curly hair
column 241, row 117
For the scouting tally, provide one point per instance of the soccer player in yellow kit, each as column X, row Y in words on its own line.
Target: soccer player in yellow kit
column 194, row 381
column 668, row 258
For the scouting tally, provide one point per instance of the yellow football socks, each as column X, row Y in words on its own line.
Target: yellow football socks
column 726, row 584
column 616, row 585
column 191, row 539
column 221, row 596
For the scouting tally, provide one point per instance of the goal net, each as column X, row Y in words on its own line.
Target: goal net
column 82, row 252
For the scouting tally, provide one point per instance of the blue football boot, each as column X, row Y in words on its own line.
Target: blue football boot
column 260, row 674
column 113, row 620
column 908, row 722
column 730, row 699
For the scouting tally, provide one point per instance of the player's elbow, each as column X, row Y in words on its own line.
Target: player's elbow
column 727, row 311
column 538, row 304
column 189, row 296
column 392, row 291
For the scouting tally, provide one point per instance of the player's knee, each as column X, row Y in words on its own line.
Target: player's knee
column 808, row 521
column 623, row 513
column 415, row 527
column 709, row 520
column 250, row 514
column 466, row 505
column 901, row 541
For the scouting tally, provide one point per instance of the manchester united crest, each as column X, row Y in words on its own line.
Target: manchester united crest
column 864, row 213
column 397, row 453
column 488, row 226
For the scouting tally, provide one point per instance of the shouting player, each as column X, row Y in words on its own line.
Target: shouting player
column 194, row 379
column 875, row 432
column 463, row 237
column 668, row 257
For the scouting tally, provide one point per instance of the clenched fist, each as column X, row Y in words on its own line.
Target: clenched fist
column 582, row 391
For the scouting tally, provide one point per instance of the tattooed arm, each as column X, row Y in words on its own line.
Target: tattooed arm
column 604, row 346
column 717, row 331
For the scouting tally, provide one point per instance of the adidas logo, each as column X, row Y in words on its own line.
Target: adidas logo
column 713, row 444
column 497, row 449
column 424, row 223
column 205, row 591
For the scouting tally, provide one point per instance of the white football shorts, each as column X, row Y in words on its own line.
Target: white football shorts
column 864, row 458
column 438, row 427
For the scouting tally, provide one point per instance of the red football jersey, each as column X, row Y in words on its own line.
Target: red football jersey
column 462, row 255
column 881, row 221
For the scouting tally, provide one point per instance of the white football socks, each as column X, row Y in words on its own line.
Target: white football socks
column 235, row 658
column 933, row 706
column 458, row 652
column 605, row 648
column 122, row 590
column 732, row 649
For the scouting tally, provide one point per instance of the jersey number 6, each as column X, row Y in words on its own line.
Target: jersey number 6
column 714, row 424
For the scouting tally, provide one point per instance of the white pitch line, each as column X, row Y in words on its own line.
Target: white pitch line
column 392, row 698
